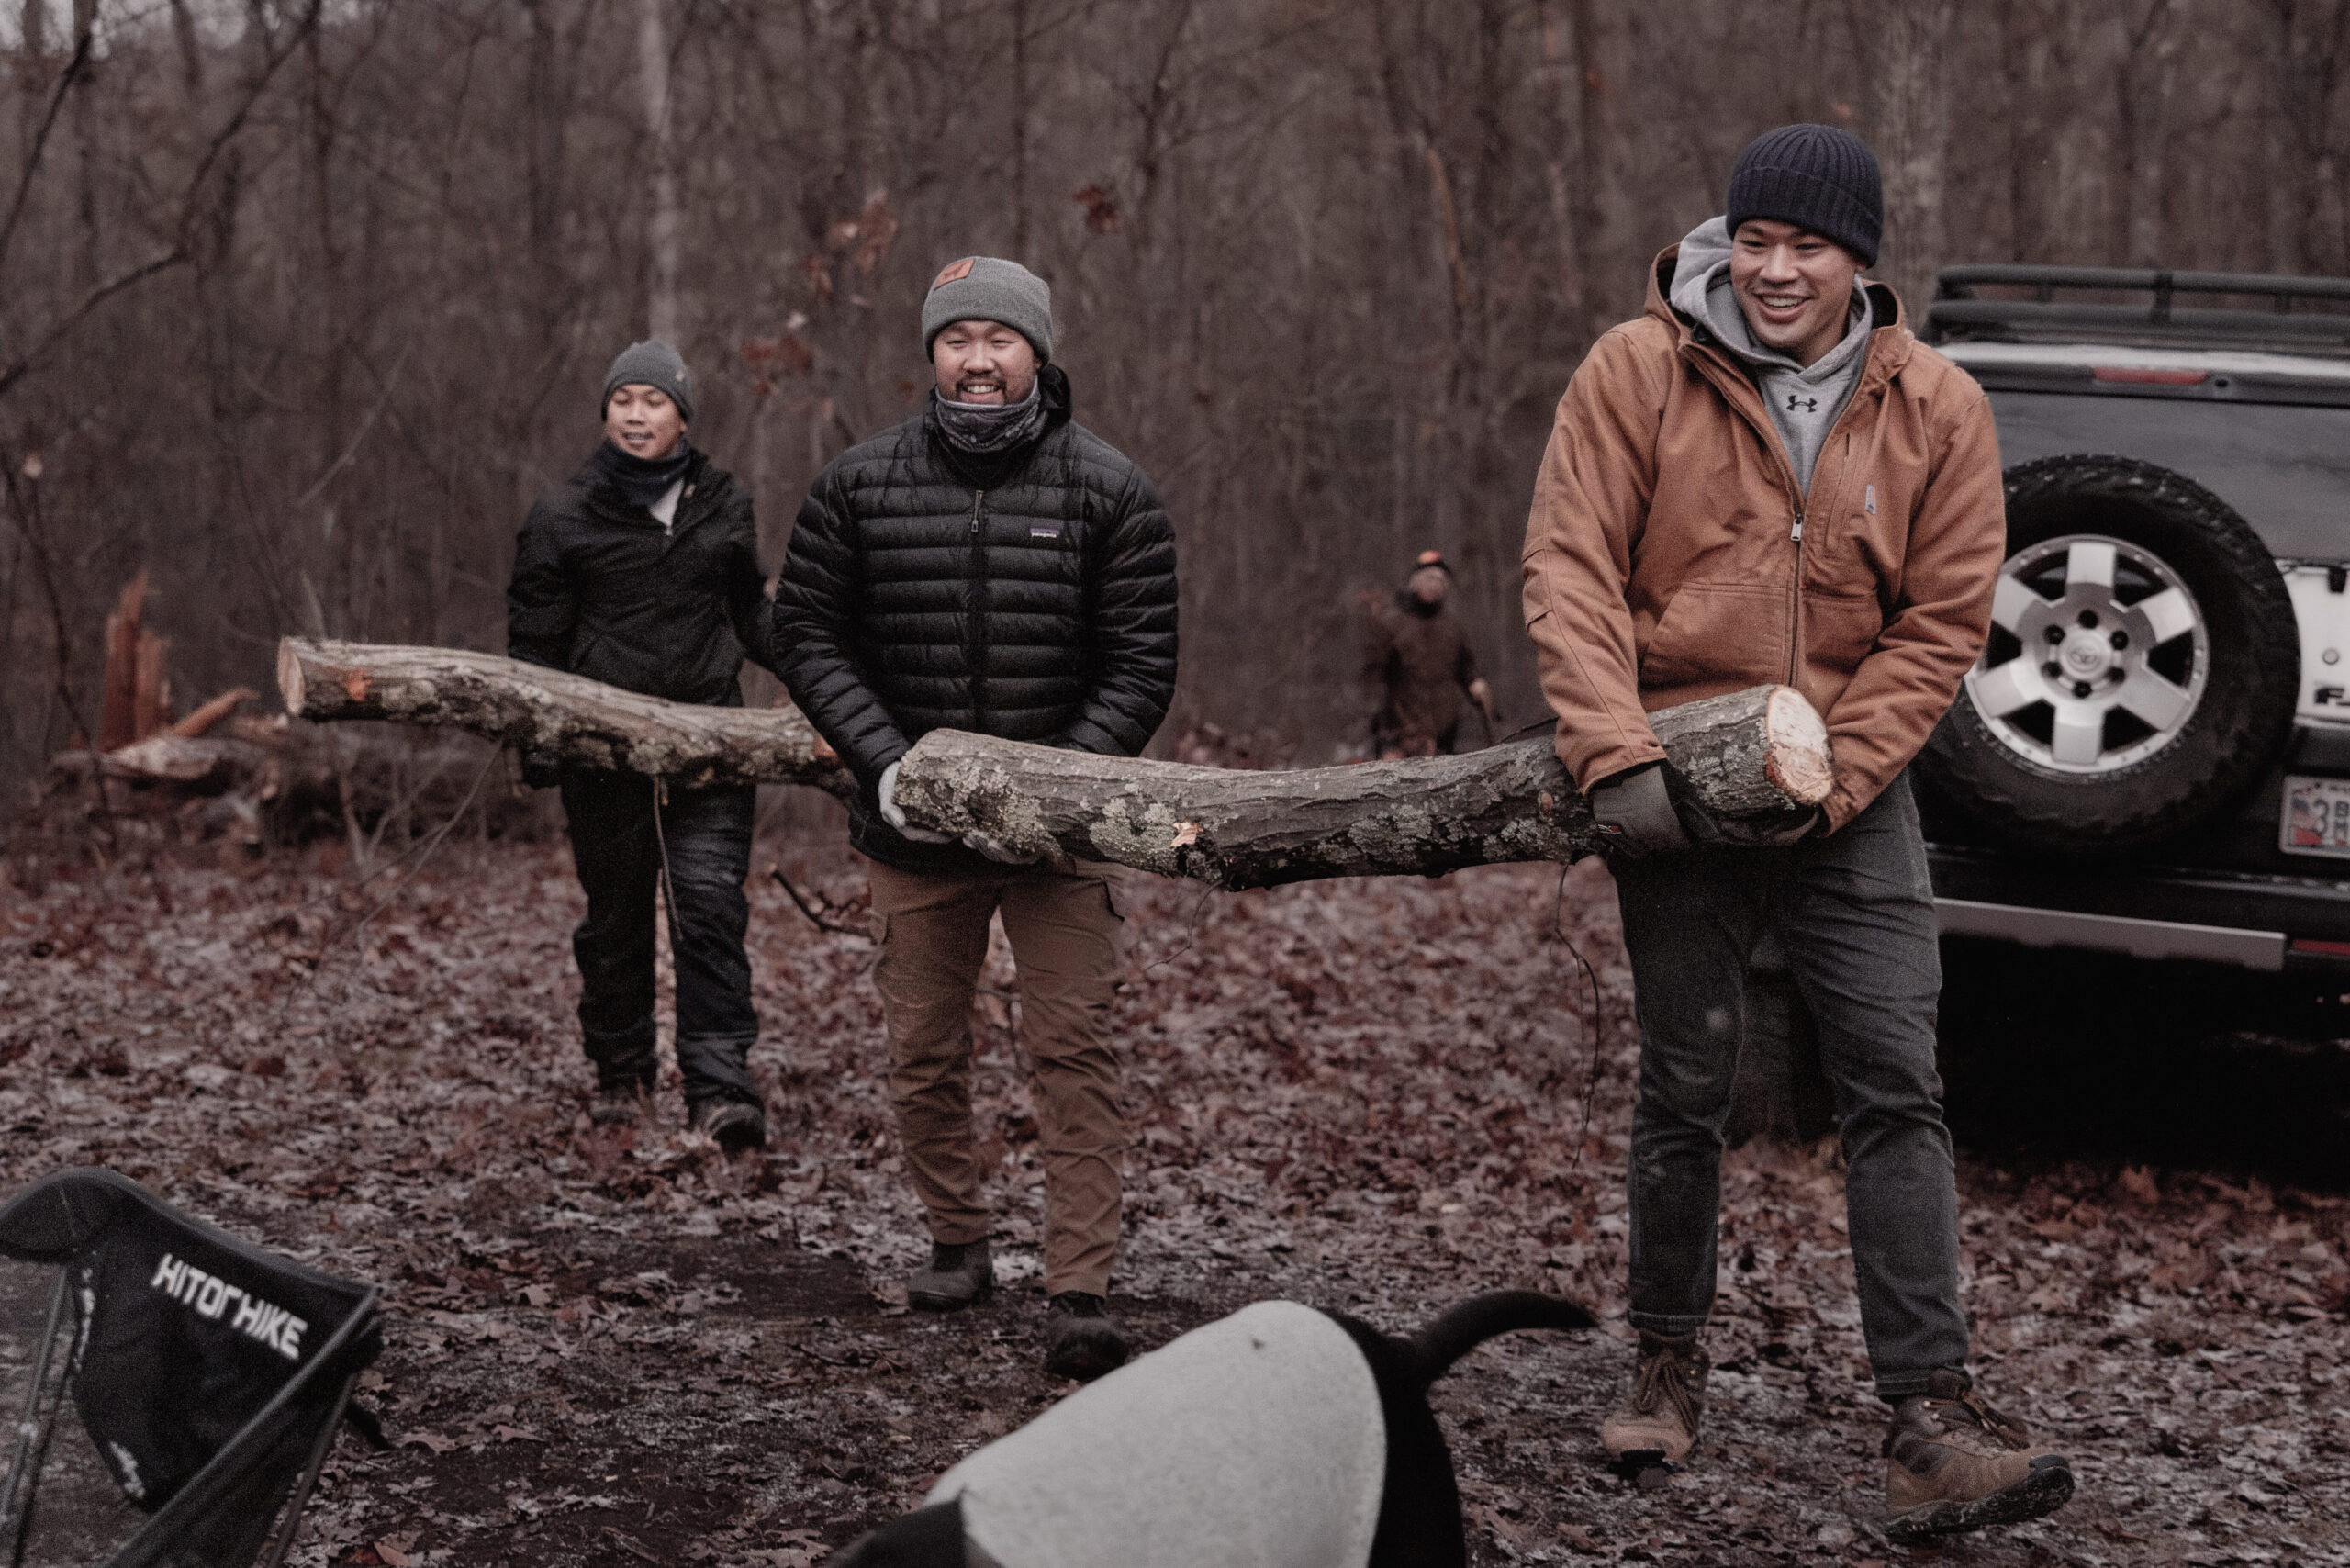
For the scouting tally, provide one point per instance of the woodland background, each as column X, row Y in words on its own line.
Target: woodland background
column 301, row 302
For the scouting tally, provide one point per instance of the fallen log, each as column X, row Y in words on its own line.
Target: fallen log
column 1748, row 752
column 1762, row 749
column 577, row 720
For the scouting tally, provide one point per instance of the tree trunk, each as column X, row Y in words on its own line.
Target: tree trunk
column 1759, row 750
column 1752, row 751
column 579, row 721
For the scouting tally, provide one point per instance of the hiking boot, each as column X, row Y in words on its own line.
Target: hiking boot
column 1952, row 1463
column 1081, row 1340
column 737, row 1124
column 956, row 1277
column 621, row 1103
column 1659, row 1424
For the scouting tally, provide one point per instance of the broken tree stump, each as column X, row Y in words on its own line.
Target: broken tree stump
column 1744, row 753
column 579, row 721
column 1749, row 752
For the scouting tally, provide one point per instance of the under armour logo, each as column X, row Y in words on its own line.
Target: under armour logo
column 1808, row 405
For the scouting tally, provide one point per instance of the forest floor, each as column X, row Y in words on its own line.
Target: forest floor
column 616, row 1347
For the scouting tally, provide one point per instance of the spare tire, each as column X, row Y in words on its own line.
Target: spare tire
column 2141, row 668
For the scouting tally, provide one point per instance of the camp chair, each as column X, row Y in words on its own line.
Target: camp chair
column 210, row 1375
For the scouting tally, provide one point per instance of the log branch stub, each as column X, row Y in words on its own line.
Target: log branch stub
column 581, row 721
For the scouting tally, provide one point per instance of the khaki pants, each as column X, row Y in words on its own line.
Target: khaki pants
column 1064, row 929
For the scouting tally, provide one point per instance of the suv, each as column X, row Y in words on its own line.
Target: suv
column 2152, row 754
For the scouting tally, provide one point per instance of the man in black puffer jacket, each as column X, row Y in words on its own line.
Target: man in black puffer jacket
column 988, row 566
column 643, row 572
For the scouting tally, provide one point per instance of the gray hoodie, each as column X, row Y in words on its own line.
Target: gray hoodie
column 1804, row 403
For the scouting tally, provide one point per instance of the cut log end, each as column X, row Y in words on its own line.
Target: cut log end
column 289, row 675
column 1796, row 757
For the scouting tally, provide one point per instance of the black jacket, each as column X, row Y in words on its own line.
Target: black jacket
column 599, row 588
column 1031, row 596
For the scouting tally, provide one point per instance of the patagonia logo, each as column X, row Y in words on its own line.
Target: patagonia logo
column 1043, row 531
column 1868, row 500
column 210, row 1295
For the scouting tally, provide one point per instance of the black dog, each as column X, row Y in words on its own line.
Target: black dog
column 1246, row 1441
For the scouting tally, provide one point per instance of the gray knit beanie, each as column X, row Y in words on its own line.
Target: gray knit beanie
column 651, row 364
column 986, row 288
column 1816, row 177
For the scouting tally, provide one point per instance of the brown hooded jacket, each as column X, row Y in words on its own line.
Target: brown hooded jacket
column 1670, row 554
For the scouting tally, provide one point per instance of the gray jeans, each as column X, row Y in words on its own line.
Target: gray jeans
column 1854, row 914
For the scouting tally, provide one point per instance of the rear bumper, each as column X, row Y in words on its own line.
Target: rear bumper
column 2245, row 920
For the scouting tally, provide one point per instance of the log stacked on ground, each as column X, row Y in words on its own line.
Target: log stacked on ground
column 1745, row 753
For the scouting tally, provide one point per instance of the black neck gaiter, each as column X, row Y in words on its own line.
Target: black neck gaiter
column 983, row 430
column 641, row 480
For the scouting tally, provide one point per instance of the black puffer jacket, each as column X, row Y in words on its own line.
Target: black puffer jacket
column 1030, row 595
column 599, row 588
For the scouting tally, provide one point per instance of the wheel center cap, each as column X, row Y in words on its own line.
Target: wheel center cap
column 2086, row 655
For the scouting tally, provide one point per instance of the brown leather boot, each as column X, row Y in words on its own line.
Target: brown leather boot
column 1659, row 1424
column 1952, row 1463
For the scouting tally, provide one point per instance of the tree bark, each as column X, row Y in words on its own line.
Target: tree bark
column 577, row 720
column 1762, row 749
column 1759, row 750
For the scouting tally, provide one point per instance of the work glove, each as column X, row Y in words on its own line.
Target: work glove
column 890, row 814
column 1634, row 813
column 996, row 850
column 1766, row 829
column 541, row 770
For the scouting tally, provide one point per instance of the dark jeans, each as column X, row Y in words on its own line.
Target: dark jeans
column 1854, row 916
column 707, row 835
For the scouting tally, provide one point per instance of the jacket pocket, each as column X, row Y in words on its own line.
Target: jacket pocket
column 1840, row 630
column 1711, row 632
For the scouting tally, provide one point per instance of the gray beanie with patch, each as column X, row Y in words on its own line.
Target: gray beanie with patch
column 651, row 364
column 987, row 289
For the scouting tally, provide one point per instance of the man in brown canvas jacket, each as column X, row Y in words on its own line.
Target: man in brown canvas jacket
column 1767, row 478
column 1420, row 658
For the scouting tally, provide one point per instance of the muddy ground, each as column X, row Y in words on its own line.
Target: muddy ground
column 613, row 1348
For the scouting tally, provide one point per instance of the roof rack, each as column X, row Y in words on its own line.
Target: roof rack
column 1958, row 311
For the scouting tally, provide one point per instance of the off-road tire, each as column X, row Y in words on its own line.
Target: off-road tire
column 2241, row 720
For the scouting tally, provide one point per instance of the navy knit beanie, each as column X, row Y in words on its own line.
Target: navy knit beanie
column 1816, row 177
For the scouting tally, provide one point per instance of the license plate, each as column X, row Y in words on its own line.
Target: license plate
column 2316, row 817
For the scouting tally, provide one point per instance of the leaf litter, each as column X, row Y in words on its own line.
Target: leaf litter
column 614, row 1346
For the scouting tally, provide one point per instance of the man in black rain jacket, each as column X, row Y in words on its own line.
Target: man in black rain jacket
column 643, row 572
column 988, row 566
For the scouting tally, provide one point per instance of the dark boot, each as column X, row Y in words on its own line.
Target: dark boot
column 620, row 1102
column 1952, row 1463
column 956, row 1277
column 737, row 1124
column 1081, row 1340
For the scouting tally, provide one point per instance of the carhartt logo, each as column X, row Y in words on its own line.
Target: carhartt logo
column 1808, row 405
column 209, row 1295
column 1868, row 503
column 953, row 272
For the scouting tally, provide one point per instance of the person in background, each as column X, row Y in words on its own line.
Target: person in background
column 642, row 572
column 988, row 566
column 1418, row 658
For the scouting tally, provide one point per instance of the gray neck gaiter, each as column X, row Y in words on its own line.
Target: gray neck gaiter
column 985, row 429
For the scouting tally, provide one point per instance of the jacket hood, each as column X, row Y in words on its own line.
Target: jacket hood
column 1890, row 339
column 1701, row 290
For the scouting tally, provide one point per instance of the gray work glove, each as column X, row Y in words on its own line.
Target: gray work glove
column 1766, row 829
column 996, row 850
column 1634, row 815
column 896, row 818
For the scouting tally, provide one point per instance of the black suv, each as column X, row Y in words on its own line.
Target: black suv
column 2152, row 754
